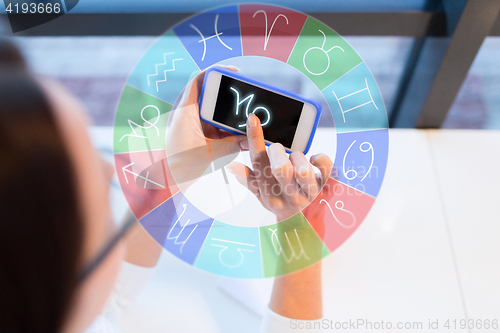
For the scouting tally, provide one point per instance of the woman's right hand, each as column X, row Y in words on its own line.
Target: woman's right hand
column 283, row 184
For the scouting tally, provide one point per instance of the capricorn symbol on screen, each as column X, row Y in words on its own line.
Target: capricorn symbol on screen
column 248, row 100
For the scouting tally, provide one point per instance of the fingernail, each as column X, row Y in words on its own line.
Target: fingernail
column 234, row 68
column 252, row 120
column 244, row 144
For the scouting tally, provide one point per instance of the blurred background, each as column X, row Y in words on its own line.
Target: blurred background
column 433, row 71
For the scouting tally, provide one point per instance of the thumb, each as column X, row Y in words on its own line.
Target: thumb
column 225, row 149
column 223, row 152
column 245, row 176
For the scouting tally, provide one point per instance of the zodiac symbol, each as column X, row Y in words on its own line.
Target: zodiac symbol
column 355, row 173
column 130, row 122
column 340, row 206
column 354, row 93
column 239, row 250
column 322, row 48
column 268, row 33
column 165, row 71
column 278, row 249
column 146, row 179
column 249, row 98
column 176, row 238
column 204, row 40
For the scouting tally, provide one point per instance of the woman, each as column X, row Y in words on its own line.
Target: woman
column 56, row 221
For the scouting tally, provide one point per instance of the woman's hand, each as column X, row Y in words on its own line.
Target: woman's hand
column 284, row 185
column 192, row 145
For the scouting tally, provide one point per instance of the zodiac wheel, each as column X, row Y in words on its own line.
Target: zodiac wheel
column 299, row 41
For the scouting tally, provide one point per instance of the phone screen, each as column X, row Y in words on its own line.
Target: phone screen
column 278, row 114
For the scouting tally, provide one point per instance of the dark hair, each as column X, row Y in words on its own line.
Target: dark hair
column 40, row 222
column 10, row 56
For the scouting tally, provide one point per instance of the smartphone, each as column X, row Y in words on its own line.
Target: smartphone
column 227, row 98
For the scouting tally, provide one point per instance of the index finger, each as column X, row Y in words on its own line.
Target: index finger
column 258, row 155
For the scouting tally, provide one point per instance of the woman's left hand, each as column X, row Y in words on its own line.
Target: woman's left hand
column 192, row 145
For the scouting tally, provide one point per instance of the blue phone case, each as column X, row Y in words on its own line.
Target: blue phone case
column 265, row 85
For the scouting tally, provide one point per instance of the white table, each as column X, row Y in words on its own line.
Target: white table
column 428, row 250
